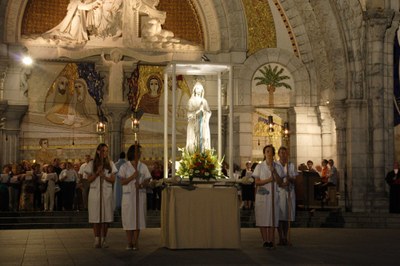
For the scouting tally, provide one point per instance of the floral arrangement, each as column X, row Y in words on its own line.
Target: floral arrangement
column 203, row 165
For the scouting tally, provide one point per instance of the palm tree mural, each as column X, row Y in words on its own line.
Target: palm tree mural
column 273, row 79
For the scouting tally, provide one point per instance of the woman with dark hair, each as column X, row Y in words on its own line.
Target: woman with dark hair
column 101, row 176
column 248, row 187
column 267, row 197
column 135, row 177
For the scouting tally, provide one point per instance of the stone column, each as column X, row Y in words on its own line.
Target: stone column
column 326, row 131
column 305, row 136
column 377, row 22
column 116, row 114
column 357, row 154
column 3, row 74
column 10, row 134
column 339, row 114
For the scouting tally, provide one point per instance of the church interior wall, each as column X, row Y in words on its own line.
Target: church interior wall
column 326, row 63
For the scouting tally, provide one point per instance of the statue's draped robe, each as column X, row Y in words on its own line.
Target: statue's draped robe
column 198, row 130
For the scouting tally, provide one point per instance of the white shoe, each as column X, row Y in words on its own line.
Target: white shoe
column 96, row 243
column 104, row 243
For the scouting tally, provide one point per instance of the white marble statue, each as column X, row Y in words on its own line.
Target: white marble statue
column 109, row 21
column 106, row 21
column 116, row 74
column 198, row 114
column 73, row 27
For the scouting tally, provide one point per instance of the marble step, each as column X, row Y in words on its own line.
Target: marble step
column 331, row 218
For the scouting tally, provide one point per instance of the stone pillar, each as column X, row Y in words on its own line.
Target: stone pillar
column 326, row 131
column 117, row 115
column 10, row 133
column 357, row 157
column 305, row 137
column 339, row 114
column 3, row 74
column 377, row 22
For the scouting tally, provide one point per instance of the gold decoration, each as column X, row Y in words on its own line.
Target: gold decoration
column 144, row 73
column 42, row 15
column 182, row 20
column 261, row 26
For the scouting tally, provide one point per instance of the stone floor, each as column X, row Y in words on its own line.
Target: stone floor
column 310, row 246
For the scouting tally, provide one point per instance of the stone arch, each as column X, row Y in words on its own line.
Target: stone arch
column 224, row 25
column 13, row 19
column 301, row 78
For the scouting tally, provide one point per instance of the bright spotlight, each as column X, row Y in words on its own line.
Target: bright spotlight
column 27, row 60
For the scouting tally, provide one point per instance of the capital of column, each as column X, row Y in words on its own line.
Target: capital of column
column 339, row 114
column 377, row 23
column 116, row 112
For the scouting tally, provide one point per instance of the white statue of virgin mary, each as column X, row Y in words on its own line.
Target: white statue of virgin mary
column 198, row 113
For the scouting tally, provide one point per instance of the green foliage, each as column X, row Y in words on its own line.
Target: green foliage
column 203, row 165
column 272, row 77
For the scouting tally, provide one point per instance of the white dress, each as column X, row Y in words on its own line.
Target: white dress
column 128, row 205
column 198, row 130
column 263, row 206
column 284, row 193
column 94, row 197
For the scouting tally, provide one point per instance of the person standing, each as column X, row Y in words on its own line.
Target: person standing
column 248, row 187
column 135, row 177
column 393, row 180
column 117, row 184
column 267, row 197
column 333, row 174
column 51, row 177
column 157, row 174
column 101, row 176
column 287, row 197
column 84, row 180
column 68, row 177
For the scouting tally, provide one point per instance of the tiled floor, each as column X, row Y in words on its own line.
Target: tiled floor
column 310, row 246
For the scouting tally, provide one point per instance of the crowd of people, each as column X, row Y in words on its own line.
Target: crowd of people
column 35, row 187
column 91, row 185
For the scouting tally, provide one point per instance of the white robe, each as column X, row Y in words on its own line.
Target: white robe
column 285, row 193
column 73, row 26
column 198, row 129
column 107, row 212
column 128, row 206
column 263, row 203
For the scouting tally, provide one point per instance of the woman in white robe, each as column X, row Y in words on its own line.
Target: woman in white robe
column 266, row 209
column 198, row 114
column 287, row 196
column 101, row 176
column 135, row 177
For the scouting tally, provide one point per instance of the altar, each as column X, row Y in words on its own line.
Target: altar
column 203, row 218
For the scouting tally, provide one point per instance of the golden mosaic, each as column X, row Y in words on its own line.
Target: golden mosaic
column 260, row 25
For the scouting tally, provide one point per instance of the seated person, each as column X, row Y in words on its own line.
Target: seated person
column 310, row 167
column 321, row 187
